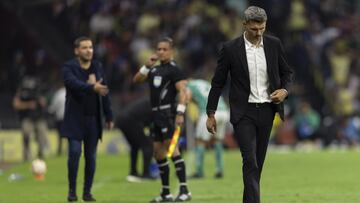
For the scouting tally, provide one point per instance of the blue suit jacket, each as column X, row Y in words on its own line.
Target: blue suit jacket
column 75, row 80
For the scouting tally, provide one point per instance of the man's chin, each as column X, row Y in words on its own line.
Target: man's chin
column 86, row 59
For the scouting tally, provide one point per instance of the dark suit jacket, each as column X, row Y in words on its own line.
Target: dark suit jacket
column 76, row 88
column 232, row 57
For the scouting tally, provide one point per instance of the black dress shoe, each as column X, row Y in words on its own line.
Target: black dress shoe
column 87, row 197
column 72, row 197
column 218, row 175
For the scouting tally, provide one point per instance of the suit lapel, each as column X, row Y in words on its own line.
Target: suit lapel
column 268, row 57
column 242, row 55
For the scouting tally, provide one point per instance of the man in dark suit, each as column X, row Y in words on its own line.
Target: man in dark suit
column 87, row 101
column 260, row 77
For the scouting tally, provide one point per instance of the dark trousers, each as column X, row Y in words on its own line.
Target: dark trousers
column 58, row 125
column 90, row 143
column 134, row 134
column 252, row 135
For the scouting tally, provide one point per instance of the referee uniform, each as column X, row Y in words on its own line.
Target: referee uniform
column 162, row 79
column 166, row 82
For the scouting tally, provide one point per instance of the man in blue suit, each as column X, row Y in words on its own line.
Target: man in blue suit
column 87, row 101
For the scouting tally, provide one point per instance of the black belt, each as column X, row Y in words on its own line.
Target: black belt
column 259, row 105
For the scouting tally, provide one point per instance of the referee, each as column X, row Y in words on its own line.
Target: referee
column 166, row 80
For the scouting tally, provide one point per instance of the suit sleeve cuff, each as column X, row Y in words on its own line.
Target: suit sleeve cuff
column 210, row 112
column 287, row 93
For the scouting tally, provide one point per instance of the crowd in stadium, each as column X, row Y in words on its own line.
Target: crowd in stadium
column 320, row 38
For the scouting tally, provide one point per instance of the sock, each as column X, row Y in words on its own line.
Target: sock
column 218, row 147
column 164, row 175
column 200, row 152
column 180, row 172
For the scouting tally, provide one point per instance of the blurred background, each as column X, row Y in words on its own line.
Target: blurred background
column 320, row 38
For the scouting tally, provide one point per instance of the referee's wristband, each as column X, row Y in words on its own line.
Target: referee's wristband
column 181, row 108
column 144, row 70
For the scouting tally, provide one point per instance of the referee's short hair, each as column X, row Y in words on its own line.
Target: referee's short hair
column 168, row 40
column 254, row 13
column 79, row 40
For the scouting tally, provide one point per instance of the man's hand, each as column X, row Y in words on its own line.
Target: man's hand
column 91, row 79
column 100, row 88
column 211, row 124
column 278, row 96
column 151, row 61
column 179, row 120
column 109, row 125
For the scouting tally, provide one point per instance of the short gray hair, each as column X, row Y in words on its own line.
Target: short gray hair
column 254, row 13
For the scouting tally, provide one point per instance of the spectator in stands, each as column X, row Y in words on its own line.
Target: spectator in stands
column 307, row 122
column 349, row 131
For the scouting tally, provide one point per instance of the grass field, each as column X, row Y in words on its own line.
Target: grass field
column 294, row 177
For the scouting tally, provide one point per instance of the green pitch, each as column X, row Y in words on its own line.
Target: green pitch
column 293, row 177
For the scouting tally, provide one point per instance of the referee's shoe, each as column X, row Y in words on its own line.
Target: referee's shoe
column 163, row 198
column 183, row 197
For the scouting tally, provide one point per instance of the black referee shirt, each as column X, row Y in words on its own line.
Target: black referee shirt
column 162, row 80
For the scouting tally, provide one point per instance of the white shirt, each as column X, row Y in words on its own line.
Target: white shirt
column 57, row 105
column 259, row 81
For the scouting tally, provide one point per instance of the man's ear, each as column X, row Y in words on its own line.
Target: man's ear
column 76, row 52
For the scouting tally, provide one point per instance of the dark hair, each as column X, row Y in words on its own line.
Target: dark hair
column 168, row 40
column 254, row 13
column 79, row 40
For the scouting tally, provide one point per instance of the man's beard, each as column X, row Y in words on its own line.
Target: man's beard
column 84, row 59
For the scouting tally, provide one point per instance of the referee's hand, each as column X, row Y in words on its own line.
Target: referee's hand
column 151, row 61
column 211, row 124
column 179, row 120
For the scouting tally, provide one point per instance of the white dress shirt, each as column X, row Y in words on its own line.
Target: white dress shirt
column 259, row 81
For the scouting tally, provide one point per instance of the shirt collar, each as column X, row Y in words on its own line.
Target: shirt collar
column 249, row 44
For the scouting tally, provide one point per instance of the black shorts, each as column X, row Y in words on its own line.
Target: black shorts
column 163, row 125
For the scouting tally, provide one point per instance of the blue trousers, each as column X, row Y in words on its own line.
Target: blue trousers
column 90, row 144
